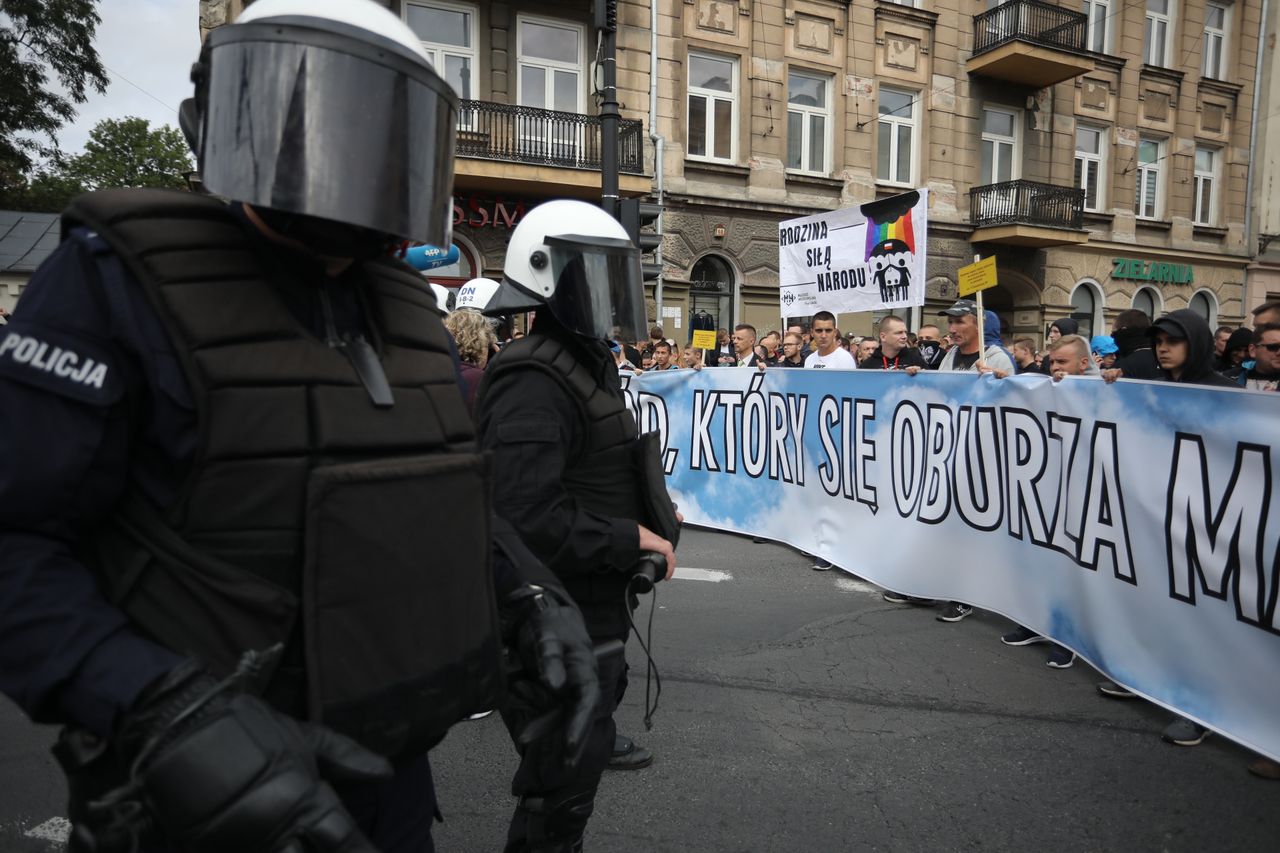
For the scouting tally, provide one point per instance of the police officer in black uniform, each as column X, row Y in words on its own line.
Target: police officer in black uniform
column 583, row 491
column 248, row 546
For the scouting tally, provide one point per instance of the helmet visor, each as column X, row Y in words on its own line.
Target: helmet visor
column 598, row 286
column 320, row 123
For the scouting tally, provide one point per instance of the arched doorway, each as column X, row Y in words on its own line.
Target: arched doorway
column 1206, row 306
column 713, row 292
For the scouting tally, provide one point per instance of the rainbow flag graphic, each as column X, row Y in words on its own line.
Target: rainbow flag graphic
column 899, row 229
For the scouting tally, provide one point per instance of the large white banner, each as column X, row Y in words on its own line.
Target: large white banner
column 864, row 258
column 1132, row 522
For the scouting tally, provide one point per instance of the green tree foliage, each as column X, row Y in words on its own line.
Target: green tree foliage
column 125, row 152
column 40, row 39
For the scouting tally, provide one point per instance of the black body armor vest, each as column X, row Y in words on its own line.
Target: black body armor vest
column 604, row 472
column 356, row 535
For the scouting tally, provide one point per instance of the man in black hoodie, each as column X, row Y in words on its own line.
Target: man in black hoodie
column 1059, row 328
column 1183, row 344
column 1137, row 360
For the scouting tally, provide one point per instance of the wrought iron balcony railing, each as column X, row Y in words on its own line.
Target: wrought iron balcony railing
column 491, row 131
column 1026, row 203
column 1030, row 21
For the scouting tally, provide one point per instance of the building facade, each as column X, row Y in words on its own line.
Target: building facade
column 1262, row 283
column 1100, row 150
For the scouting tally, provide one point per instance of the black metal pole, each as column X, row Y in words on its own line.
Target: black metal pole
column 609, row 114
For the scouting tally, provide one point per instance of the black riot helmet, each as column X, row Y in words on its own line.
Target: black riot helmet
column 326, row 113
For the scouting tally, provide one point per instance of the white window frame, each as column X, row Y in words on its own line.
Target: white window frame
column 1096, row 326
column 895, row 122
column 1200, row 177
column 551, row 65
column 1015, row 161
column 1099, row 15
column 711, row 96
column 1215, row 43
column 1212, row 299
column 1152, row 22
column 807, row 114
column 1100, row 192
column 438, row 50
column 1157, row 300
column 1139, row 196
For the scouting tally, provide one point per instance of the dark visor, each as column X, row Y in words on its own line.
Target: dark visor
column 316, row 122
column 598, row 286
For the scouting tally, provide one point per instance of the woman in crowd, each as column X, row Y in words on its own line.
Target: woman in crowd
column 475, row 339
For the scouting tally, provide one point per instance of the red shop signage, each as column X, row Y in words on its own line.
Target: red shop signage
column 488, row 213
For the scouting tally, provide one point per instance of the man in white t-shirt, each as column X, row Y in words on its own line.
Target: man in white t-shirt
column 828, row 353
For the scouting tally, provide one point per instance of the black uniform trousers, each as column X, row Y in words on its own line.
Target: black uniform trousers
column 554, row 804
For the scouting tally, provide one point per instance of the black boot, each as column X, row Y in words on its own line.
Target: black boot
column 628, row 755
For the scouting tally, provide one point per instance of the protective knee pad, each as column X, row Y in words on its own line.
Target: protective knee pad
column 556, row 822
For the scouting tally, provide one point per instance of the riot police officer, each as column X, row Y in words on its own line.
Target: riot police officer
column 582, row 490
column 248, row 544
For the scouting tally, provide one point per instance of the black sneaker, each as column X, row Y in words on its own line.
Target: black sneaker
column 954, row 612
column 822, row 565
column 1183, row 732
column 902, row 598
column 1060, row 658
column 1114, row 691
column 1022, row 637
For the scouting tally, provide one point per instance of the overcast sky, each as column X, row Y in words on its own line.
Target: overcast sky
column 149, row 44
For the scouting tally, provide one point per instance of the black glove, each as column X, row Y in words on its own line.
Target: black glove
column 219, row 771
column 557, row 671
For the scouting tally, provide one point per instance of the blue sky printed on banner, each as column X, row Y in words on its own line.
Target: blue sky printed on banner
column 1196, row 658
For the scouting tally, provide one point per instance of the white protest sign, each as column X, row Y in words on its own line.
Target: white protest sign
column 864, row 258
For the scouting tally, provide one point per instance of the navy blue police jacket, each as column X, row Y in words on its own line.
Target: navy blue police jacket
column 93, row 401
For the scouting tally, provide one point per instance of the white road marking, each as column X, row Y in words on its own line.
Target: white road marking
column 852, row 585
column 685, row 573
column 57, row 829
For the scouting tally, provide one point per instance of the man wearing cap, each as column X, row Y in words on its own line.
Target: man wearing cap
column 1104, row 351
column 968, row 353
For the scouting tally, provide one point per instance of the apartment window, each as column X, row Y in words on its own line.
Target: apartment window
column 549, row 65
column 896, row 137
column 999, row 145
column 1206, row 185
column 1215, row 40
column 808, row 122
column 713, row 107
column 448, row 34
column 1155, row 45
column 1098, row 33
column 1149, row 201
column 1091, row 159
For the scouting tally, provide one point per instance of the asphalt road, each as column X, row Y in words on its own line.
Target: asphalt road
column 800, row 711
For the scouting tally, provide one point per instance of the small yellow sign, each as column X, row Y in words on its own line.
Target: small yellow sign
column 977, row 276
column 704, row 340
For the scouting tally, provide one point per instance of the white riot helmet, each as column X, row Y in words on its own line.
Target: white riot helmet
column 476, row 294
column 326, row 110
column 576, row 260
column 446, row 297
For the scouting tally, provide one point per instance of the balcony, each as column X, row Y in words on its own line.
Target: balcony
column 1027, row 213
column 524, row 149
column 1030, row 43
